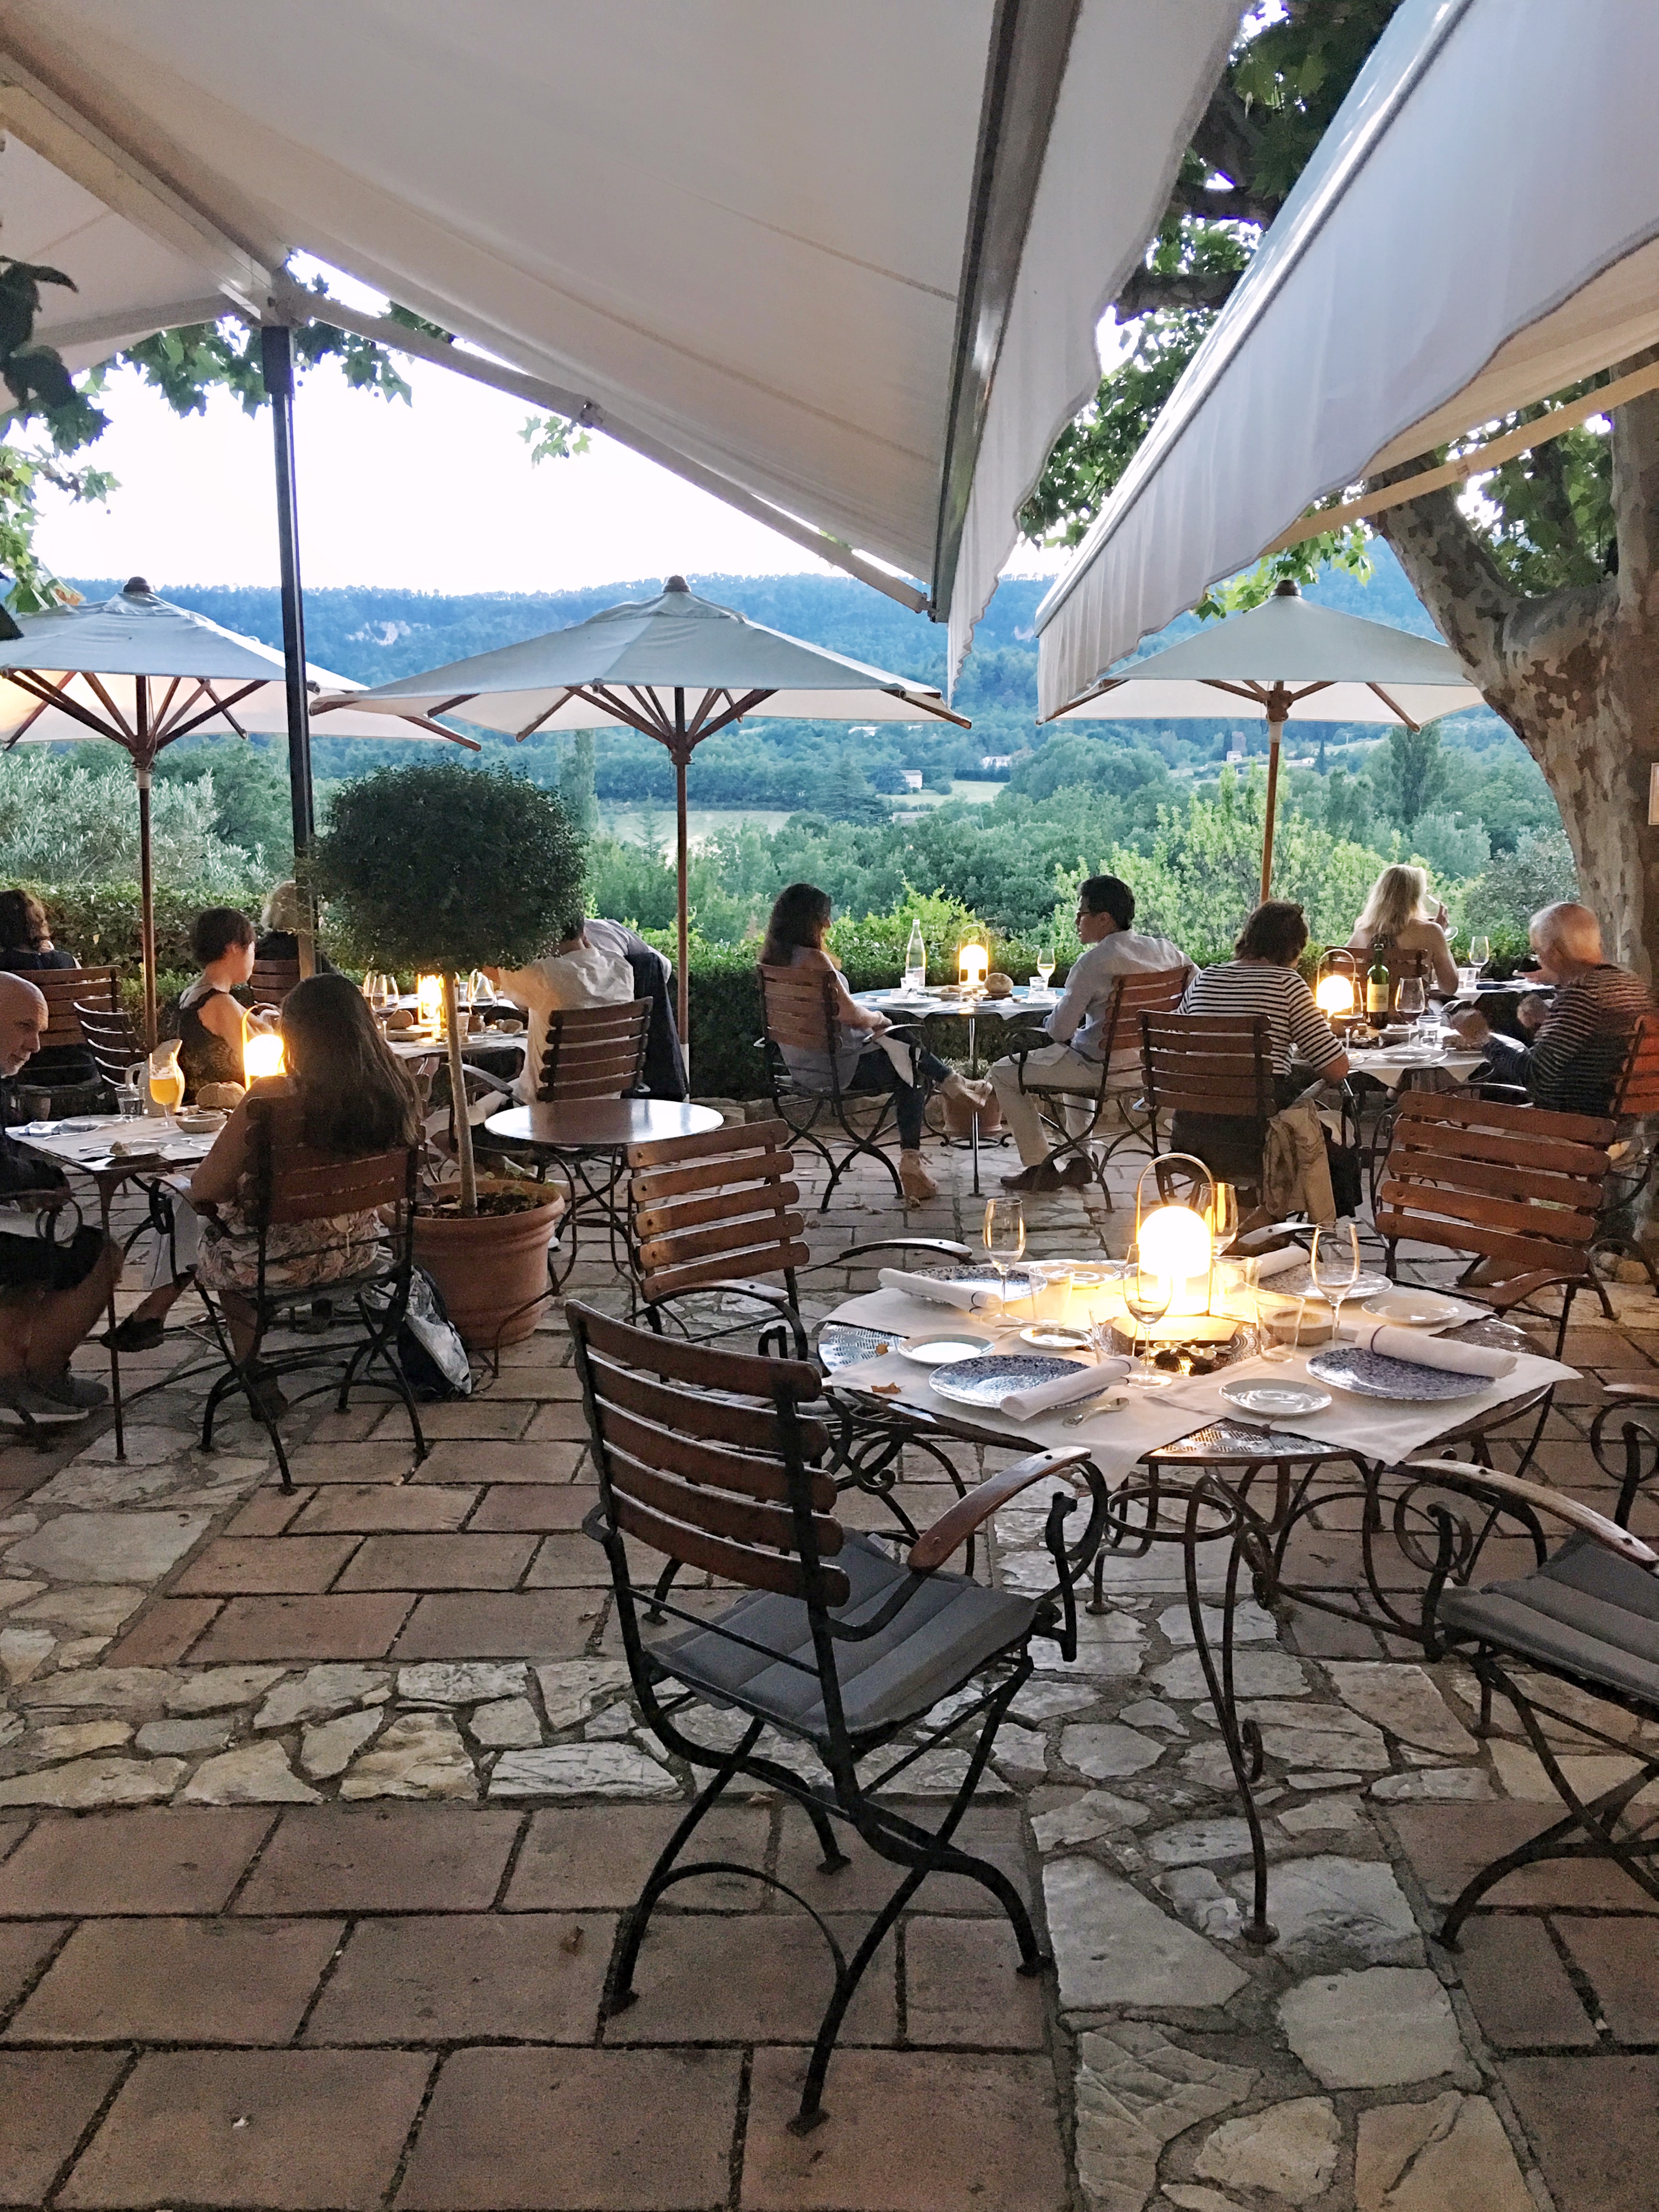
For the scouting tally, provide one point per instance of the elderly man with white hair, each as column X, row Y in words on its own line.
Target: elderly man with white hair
column 52, row 1287
column 1573, row 1064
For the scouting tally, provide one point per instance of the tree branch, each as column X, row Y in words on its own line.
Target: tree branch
column 1228, row 138
column 1455, row 578
column 1236, row 204
column 1149, row 289
column 1636, row 499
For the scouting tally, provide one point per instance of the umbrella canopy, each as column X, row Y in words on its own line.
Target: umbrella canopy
column 143, row 673
column 1397, row 303
column 840, row 265
column 677, row 668
column 1286, row 660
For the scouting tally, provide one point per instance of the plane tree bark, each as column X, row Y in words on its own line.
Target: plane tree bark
column 1574, row 673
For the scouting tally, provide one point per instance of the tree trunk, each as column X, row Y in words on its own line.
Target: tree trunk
column 1575, row 675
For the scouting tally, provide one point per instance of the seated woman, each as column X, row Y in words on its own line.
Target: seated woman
column 1400, row 917
column 343, row 1095
column 794, row 939
column 279, row 928
column 26, row 947
column 212, row 1024
column 1262, row 978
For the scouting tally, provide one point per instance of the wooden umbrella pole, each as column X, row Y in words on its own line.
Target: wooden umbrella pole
column 1275, row 728
column 146, row 905
column 682, row 756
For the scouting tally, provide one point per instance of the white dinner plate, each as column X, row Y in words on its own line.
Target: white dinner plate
column 951, row 1344
column 1053, row 1336
column 1410, row 1309
column 1276, row 1402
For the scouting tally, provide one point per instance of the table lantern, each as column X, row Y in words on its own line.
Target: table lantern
column 973, row 963
column 429, row 1001
column 1174, row 1236
column 1336, row 992
column 262, row 1054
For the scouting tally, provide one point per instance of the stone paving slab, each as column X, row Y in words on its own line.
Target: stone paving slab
column 410, row 1797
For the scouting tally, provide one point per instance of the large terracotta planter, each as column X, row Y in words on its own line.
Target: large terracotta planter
column 490, row 1268
column 960, row 1116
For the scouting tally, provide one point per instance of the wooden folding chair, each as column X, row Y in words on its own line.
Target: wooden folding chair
column 1512, row 1187
column 594, row 1052
column 271, row 982
column 111, row 1038
column 797, row 1008
column 714, row 1461
column 1156, row 993
column 1215, row 1071
column 1635, row 1102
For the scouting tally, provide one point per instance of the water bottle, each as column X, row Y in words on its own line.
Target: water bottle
column 915, row 962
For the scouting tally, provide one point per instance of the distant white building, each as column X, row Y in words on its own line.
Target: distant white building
column 912, row 778
column 1234, row 756
column 996, row 760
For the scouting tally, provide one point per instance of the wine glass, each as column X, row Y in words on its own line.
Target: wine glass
column 1004, row 1237
column 1045, row 965
column 1146, row 1299
column 1334, row 1265
column 1410, row 998
column 1480, row 953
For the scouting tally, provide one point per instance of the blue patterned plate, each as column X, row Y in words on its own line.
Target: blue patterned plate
column 981, row 1277
column 1374, row 1375
column 987, row 1382
column 842, row 1344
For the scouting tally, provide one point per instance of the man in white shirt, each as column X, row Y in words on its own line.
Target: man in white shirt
column 587, row 970
column 1111, row 948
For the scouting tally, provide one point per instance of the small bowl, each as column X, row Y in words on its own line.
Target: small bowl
column 948, row 1346
column 199, row 1125
column 1055, row 1336
column 1406, row 1308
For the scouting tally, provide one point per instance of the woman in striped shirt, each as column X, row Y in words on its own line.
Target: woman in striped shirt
column 1261, row 979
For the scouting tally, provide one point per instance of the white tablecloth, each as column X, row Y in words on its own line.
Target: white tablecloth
column 89, row 1147
column 1393, row 1067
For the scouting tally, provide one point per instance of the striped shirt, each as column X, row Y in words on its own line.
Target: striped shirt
column 1573, row 1065
column 1244, row 989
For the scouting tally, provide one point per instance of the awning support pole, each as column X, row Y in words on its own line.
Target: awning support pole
column 681, row 759
column 146, row 872
column 276, row 353
column 1278, row 711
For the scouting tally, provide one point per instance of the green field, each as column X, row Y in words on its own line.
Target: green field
column 628, row 822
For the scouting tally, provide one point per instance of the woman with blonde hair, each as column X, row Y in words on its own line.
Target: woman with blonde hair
column 1400, row 917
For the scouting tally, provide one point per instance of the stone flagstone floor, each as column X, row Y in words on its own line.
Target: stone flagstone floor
column 317, row 1815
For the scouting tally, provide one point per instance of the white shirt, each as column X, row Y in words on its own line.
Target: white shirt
column 1078, row 1020
column 588, row 974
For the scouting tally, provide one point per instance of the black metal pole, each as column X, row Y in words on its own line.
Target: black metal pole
column 277, row 352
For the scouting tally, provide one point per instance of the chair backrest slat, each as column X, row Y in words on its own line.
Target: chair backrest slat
column 293, row 1183
column 594, row 1052
column 701, row 1208
column 65, row 990
column 1505, row 1183
column 1207, row 1064
column 1156, row 991
column 272, row 980
column 647, row 1395
column 799, row 1005
column 111, row 1038
column 1638, row 1094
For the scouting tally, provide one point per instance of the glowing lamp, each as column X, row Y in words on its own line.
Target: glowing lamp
column 973, row 963
column 262, row 1054
column 1336, row 991
column 1174, row 1241
column 429, row 1001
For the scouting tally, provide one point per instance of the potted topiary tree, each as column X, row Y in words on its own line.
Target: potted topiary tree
column 444, row 868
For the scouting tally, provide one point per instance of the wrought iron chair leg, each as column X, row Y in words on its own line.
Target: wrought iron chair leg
column 621, row 1992
column 833, row 1857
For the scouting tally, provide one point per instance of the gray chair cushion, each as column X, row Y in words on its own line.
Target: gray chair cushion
column 950, row 1627
column 1586, row 1611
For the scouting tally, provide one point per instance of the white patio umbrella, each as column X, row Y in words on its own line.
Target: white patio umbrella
column 1286, row 660
column 143, row 673
column 676, row 668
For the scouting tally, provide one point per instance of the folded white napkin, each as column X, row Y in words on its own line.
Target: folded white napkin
column 1424, row 1351
column 1064, row 1390
column 931, row 1291
column 1278, row 1263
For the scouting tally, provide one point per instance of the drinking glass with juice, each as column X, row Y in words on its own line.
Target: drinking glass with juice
column 167, row 1077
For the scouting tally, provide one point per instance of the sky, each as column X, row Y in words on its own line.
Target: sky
column 438, row 495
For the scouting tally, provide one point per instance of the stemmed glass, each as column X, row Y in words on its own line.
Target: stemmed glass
column 1334, row 1265
column 1411, row 999
column 1146, row 1300
column 1045, row 965
column 1004, row 1237
column 1480, row 953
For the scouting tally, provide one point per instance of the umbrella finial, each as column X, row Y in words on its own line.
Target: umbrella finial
column 677, row 584
column 1285, row 589
column 137, row 587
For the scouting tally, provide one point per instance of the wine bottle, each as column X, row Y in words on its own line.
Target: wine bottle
column 1377, row 988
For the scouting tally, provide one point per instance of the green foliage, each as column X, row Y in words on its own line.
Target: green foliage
column 250, row 797
column 1411, row 772
column 1502, row 898
column 71, row 818
column 1348, row 549
column 576, row 793
column 439, row 866
column 550, row 438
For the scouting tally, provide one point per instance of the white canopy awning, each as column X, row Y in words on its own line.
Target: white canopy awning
column 829, row 261
column 1479, row 227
